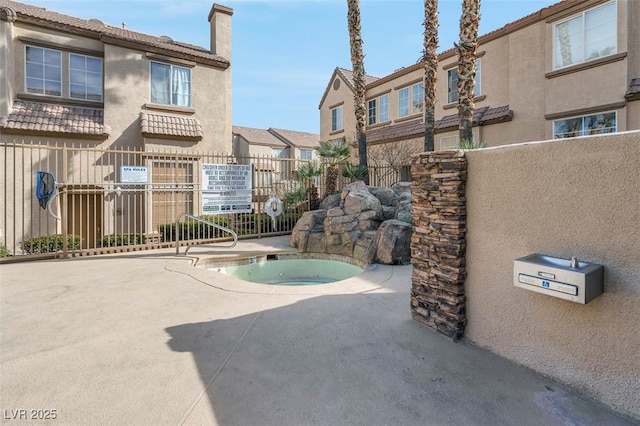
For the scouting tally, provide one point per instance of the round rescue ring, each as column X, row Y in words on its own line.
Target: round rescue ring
column 273, row 207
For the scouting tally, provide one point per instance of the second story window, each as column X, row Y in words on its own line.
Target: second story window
column 170, row 84
column 45, row 68
column 378, row 110
column 452, row 83
column 410, row 100
column 85, row 77
column 336, row 119
column 372, row 111
column 588, row 36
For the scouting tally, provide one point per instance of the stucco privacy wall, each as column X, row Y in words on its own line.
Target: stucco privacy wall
column 570, row 197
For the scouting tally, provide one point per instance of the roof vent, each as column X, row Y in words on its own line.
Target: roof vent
column 166, row 39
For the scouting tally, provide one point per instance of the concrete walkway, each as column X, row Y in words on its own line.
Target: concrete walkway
column 147, row 338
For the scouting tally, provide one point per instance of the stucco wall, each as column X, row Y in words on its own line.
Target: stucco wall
column 571, row 197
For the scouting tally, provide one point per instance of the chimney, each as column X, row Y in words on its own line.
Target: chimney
column 220, row 20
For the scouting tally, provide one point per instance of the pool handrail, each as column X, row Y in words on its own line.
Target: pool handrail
column 198, row 219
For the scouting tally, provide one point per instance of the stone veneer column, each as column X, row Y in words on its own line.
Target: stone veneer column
column 438, row 243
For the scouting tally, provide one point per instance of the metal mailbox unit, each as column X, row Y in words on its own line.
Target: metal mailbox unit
column 567, row 279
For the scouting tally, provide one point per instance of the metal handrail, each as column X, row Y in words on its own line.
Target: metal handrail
column 215, row 225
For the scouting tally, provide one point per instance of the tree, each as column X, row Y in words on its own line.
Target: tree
column 430, row 59
column 332, row 154
column 310, row 171
column 359, row 96
column 469, row 22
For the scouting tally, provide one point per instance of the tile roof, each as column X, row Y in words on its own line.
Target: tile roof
column 258, row 136
column 348, row 76
column 297, row 139
column 98, row 29
column 54, row 118
column 633, row 92
column 415, row 128
column 162, row 126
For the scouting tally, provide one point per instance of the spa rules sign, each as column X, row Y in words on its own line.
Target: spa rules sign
column 226, row 188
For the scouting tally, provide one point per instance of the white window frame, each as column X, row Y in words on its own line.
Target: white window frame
column 372, row 111
column 44, row 78
column 65, row 75
column 172, row 90
column 452, row 89
column 449, row 142
column 383, row 108
column 378, row 110
column 337, row 122
column 303, row 153
column 87, row 75
column 407, row 105
column 583, row 131
column 558, row 61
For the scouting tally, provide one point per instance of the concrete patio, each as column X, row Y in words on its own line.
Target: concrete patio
column 147, row 338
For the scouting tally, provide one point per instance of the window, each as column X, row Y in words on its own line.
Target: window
column 85, row 77
column 43, row 71
column 586, row 125
column 277, row 152
column 449, row 142
column 418, row 98
column 379, row 110
column 306, row 154
column 372, row 111
column 170, row 84
column 403, row 102
column 452, row 83
column 384, row 108
column 590, row 35
column 336, row 119
column 410, row 100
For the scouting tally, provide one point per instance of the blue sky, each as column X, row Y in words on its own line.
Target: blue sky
column 284, row 51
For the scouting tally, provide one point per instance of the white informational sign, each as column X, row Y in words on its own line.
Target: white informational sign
column 226, row 188
column 134, row 174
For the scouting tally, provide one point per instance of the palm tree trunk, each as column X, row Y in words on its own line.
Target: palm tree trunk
column 430, row 58
column 469, row 22
column 359, row 96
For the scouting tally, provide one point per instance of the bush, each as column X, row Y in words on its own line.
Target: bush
column 194, row 230
column 117, row 240
column 4, row 251
column 50, row 244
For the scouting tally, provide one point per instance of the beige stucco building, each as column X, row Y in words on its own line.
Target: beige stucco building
column 69, row 78
column 570, row 69
column 127, row 99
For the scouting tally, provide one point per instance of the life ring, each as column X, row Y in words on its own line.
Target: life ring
column 273, row 207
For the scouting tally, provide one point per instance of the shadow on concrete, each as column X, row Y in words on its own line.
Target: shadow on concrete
column 351, row 360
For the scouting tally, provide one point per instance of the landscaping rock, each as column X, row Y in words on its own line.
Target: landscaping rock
column 393, row 242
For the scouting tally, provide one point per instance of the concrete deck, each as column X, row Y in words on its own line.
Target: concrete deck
column 147, row 338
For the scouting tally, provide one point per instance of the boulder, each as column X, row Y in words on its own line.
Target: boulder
column 393, row 242
column 330, row 202
column 356, row 198
column 385, row 195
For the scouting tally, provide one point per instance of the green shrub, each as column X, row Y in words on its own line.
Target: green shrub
column 117, row 240
column 4, row 251
column 50, row 244
column 471, row 144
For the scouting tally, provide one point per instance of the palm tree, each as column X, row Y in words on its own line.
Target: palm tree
column 469, row 22
column 332, row 154
column 430, row 58
column 359, row 96
column 310, row 171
